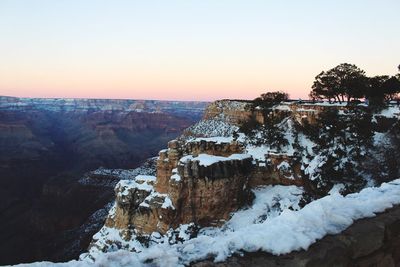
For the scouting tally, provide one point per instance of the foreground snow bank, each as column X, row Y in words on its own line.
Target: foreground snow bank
column 295, row 230
column 278, row 233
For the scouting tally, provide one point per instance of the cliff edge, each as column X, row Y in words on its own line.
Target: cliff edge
column 245, row 165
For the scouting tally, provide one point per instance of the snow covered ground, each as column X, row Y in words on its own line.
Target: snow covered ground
column 216, row 127
column 273, row 224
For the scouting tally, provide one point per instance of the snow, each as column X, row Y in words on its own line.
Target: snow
column 267, row 226
column 175, row 176
column 336, row 189
column 257, row 152
column 290, row 230
column 239, row 156
column 230, row 104
column 390, row 112
column 260, row 152
column 282, row 107
column 207, row 160
column 216, row 127
column 125, row 186
column 145, row 178
column 110, row 177
column 381, row 139
column 313, row 165
column 283, row 166
column 113, row 241
column 266, row 199
column 326, row 103
column 306, row 110
column 217, row 139
column 166, row 201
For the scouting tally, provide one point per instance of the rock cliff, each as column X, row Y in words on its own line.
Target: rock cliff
column 213, row 170
column 197, row 188
column 205, row 175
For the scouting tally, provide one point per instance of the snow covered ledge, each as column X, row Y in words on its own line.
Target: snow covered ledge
column 281, row 234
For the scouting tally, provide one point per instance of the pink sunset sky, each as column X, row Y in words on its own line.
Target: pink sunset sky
column 189, row 50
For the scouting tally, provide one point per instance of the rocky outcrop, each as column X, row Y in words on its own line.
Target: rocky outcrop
column 202, row 146
column 209, row 172
column 368, row 242
column 237, row 112
column 278, row 169
column 234, row 112
column 203, row 189
column 205, row 179
column 305, row 111
column 207, row 194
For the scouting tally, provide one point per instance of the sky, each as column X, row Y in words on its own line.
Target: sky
column 189, row 49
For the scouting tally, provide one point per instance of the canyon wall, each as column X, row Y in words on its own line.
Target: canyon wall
column 187, row 109
column 46, row 146
column 204, row 180
column 209, row 172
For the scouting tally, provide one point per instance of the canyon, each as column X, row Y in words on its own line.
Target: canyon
column 47, row 146
column 246, row 184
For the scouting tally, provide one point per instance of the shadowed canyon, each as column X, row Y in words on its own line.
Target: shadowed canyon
column 48, row 145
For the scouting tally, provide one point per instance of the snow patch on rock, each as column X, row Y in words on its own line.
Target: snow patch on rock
column 207, row 160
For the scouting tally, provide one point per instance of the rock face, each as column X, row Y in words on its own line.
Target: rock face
column 207, row 195
column 237, row 112
column 280, row 169
column 203, row 190
column 234, row 112
column 205, row 179
column 208, row 173
column 368, row 242
column 213, row 148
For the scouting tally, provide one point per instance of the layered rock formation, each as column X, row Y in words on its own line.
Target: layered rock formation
column 199, row 188
column 234, row 112
column 191, row 109
column 209, row 173
column 46, row 146
column 203, row 179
